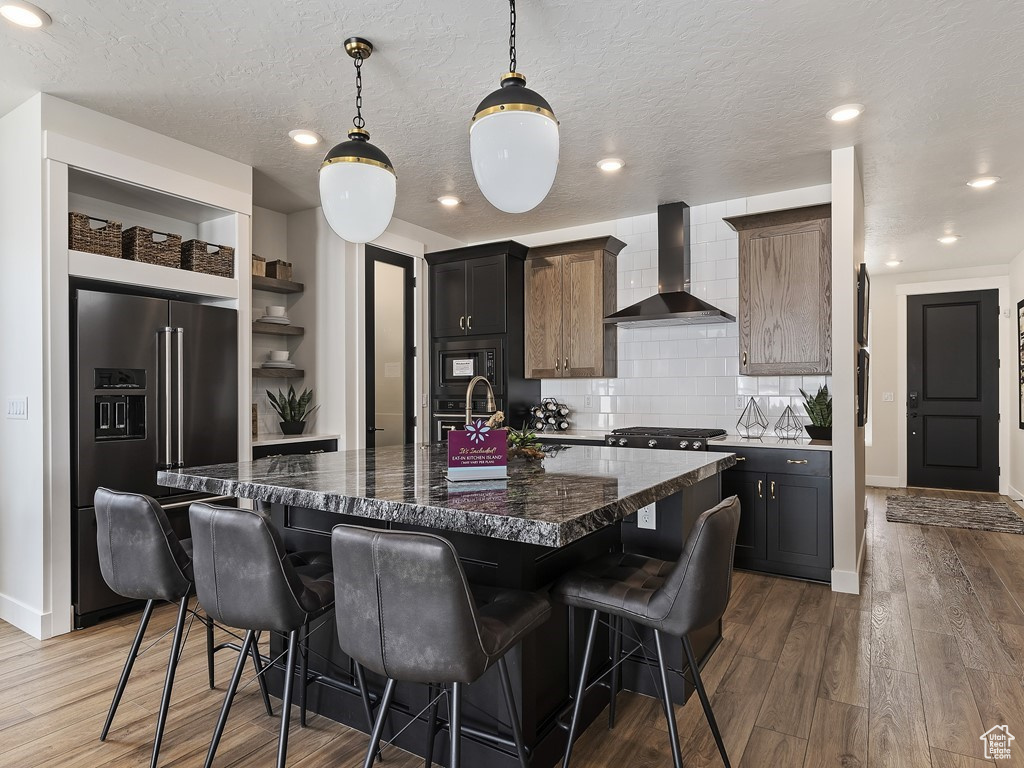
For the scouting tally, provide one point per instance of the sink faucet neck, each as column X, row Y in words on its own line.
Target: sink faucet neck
column 491, row 407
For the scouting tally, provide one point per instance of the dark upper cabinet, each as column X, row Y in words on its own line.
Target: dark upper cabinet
column 469, row 289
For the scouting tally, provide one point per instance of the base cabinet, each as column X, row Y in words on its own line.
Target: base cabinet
column 786, row 516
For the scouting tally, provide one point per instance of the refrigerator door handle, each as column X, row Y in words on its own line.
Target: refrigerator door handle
column 165, row 460
column 180, row 459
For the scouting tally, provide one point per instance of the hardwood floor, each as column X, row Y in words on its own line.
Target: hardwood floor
column 908, row 674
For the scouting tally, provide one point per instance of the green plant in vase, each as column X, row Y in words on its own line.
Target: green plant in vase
column 819, row 411
column 292, row 409
column 523, row 442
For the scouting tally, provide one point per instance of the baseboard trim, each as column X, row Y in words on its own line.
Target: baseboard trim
column 23, row 617
column 1013, row 493
column 849, row 581
column 882, row 481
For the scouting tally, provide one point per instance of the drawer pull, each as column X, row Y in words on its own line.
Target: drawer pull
column 741, row 458
column 796, row 461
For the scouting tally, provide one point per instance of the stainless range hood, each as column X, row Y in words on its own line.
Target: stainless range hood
column 673, row 304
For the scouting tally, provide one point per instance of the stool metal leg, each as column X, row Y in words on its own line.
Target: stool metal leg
column 580, row 689
column 209, row 650
column 455, row 727
column 147, row 613
column 616, row 626
column 378, row 726
column 432, row 694
column 704, row 701
column 303, row 673
column 261, row 679
column 232, row 687
column 286, row 698
column 172, row 665
column 513, row 713
column 670, row 714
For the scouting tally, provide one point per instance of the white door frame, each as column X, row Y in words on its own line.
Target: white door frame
column 1000, row 283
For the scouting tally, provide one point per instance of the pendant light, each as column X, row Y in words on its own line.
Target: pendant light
column 513, row 140
column 357, row 181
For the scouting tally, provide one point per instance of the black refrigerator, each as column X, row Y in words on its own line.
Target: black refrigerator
column 155, row 386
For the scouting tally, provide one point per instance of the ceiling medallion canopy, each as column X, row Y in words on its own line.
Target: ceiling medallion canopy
column 358, row 184
column 513, row 140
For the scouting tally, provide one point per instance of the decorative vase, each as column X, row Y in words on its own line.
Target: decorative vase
column 293, row 427
column 819, row 433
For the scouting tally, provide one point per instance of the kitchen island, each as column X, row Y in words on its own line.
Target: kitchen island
column 524, row 532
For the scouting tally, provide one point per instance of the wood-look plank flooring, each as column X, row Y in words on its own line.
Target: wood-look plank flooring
column 905, row 675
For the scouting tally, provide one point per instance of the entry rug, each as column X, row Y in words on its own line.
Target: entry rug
column 953, row 513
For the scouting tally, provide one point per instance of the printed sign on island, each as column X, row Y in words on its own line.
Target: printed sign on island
column 477, row 452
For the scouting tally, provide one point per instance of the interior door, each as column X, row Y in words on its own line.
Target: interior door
column 953, row 390
column 448, row 299
column 583, row 327
column 485, row 296
column 207, row 353
column 544, row 317
column 390, row 416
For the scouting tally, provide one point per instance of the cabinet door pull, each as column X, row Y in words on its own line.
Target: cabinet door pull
column 772, row 487
column 796, row 461
column 469, row 322
column 744, row 357
column 462, row 323
column 760, row 489
column 557, row 364
column 566, row 366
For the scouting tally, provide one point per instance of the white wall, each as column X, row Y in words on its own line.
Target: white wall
column 22, row 544
column 1013, row 382
column 681, row 375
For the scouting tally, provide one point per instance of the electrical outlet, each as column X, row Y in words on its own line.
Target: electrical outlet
column 17, row 408
column 646, row 518
column 588, row 402
column 740, row 402
column 887, row 397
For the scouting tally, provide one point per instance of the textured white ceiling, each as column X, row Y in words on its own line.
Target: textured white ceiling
column 705, row 100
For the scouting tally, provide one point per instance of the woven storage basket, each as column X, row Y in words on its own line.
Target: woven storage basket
column 282, row 270
column 141, row 244
column 259, row 266
column 105, row 240
column 196, row 256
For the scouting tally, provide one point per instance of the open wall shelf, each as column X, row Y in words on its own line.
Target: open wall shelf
column 278, row 373
column 276, row 329
column 273, row 285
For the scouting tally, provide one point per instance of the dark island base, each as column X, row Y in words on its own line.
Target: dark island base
column 543, row 668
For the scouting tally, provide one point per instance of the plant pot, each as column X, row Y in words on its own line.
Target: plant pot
column 818, row 433
column 293, row 427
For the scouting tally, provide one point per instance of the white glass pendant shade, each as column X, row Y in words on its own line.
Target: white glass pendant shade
column 515, row 158
column 357, row 190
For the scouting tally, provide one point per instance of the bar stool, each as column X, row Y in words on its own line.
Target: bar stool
column 141, row 558
column 246, row 580
column 670, row 598
column 406, row 611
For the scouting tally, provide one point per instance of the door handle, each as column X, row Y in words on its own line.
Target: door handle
column 469, row 322
column 796, row 461
column 462, row 322
column 771, row 486
column 375, row 429
column 180, row 333
column 760, row 489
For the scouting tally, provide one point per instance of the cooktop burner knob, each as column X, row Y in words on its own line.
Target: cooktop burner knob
column 697, row 445
column 623, row 441
column 652, row 443
column 611, row 441
column 684, row 444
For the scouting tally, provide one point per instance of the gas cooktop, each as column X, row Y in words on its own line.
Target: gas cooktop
column 670, row 438
column 670, row 432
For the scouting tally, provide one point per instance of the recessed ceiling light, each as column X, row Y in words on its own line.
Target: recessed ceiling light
column 304, row 137
column 845, row 112
column 449, row 201
column 982, row 182
column 610, row 164
column 949, row 239
column 25, row 14
column 893, row 262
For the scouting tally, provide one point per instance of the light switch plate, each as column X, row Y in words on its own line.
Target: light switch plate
column 887, row 397
column 646, row 518
column 17, row 408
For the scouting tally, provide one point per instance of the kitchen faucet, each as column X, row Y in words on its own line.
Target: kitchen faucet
column 469, row 396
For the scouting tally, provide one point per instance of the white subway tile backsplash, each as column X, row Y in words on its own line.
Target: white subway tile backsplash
column 680, row 375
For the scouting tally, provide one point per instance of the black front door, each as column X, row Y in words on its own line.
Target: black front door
column 390, row 363
column 953, row 391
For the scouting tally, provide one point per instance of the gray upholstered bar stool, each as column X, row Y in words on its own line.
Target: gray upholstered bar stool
column 246, row 580
column 141, row 558
column 406, row 611
column 670, row 598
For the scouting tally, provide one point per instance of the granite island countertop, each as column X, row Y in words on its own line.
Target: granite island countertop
column 572, row 492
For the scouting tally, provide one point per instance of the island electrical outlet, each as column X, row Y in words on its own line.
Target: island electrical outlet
column 646, row 518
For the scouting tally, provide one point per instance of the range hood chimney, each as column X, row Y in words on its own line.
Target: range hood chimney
column 673, row 304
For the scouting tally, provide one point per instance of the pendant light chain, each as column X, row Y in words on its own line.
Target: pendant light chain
column 358, row 120
column 512, row 36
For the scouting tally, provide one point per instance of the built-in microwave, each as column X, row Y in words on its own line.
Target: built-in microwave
column 455, row 363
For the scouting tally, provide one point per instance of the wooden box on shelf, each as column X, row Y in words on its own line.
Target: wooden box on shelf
column 199, row 256
column 282, row 270
column 151, row 247
column 104, row 240
column 259, row 266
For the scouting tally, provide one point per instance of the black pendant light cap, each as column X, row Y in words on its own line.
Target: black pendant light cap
column 358, row 47
column 358, row 149
column 512, row 96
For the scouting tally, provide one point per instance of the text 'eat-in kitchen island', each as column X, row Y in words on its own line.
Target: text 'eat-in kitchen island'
column 522, row 533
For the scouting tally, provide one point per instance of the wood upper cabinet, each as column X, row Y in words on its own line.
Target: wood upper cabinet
column 570, row 288
column 785, row 275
